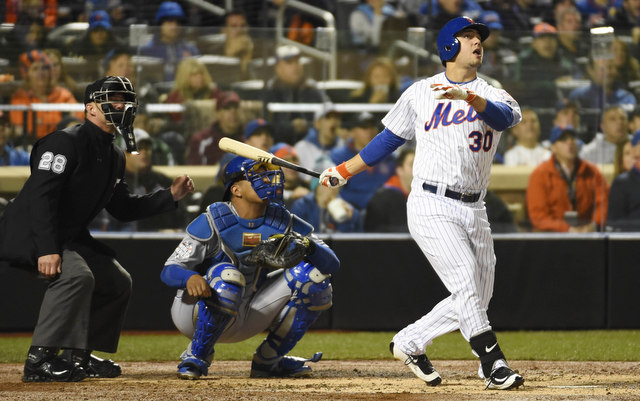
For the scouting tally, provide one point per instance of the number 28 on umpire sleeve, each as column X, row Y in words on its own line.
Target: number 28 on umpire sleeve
column 481, row 142
column 55, row 163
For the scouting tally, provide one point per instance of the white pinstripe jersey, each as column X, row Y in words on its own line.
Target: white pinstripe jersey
column 454, row 146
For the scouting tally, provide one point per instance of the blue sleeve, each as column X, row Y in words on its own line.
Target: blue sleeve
column 176, row 276
column 324, row 258
column 497, row 115
column 380, row 147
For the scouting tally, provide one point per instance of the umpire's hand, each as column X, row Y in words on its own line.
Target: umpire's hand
column 50, row 265
column 181, row 186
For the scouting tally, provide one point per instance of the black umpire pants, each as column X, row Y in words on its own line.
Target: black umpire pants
column 85, row 306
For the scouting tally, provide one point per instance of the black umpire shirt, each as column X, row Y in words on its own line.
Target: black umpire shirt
column 75, row 173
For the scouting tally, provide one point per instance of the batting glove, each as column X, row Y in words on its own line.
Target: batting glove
column 453, row 92
column 335, row 176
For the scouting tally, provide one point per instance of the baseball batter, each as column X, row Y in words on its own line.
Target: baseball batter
column 456, row 119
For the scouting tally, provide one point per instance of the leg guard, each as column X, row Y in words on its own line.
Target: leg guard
column 311, row 294
column 197, row 358
column 485, row 346
column 214, row 314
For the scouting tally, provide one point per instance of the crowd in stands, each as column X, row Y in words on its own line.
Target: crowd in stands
column 579, row 109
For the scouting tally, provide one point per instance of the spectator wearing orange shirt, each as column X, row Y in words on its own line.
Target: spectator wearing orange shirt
column 38, row 88
column 565, row 193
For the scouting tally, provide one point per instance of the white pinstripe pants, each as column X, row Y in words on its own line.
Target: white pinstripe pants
column 456, row 239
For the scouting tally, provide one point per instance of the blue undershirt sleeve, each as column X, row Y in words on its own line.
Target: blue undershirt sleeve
column 381, row 146
column 497, row 115
column 176, row 276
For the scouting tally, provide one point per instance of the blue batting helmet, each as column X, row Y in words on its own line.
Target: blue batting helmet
column 448, row 44
column 266, row 179
column 169, row 10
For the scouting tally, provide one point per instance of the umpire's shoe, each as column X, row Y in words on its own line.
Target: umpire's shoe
column 44, row 365
column 93, row 365
column 503, row 378
column 419, row 365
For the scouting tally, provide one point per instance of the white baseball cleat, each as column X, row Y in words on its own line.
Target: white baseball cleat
column 503, row 378
column 419, row 365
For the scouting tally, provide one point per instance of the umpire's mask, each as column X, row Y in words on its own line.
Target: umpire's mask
column 117, row 90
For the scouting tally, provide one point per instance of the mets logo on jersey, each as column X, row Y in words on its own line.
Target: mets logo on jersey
column 251, row 239
column 442, row 115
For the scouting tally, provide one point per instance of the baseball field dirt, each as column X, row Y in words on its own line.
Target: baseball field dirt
column 338, row 380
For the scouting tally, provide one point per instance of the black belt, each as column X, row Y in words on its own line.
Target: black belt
column 465, row 197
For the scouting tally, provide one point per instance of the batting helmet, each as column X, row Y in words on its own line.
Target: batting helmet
column 448, row 44
column 266, row 179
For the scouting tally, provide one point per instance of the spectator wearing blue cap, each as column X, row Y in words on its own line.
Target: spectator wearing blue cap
column 361, row 187
column 565, row 193
column 169, row 43
column 624, row 197
column 96, row 42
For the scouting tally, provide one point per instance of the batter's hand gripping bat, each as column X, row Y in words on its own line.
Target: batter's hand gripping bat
column 253, row 153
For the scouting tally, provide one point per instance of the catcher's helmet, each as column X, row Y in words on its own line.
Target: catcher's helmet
column 448, row 44
column 266, row 179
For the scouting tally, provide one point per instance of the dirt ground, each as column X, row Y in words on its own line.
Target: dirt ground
column 338, row 380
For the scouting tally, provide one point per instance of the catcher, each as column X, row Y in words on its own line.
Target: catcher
column 248, row 265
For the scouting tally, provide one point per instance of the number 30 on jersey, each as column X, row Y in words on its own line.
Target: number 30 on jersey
column 481, row 142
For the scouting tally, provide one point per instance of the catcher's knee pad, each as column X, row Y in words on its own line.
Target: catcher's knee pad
column 209, row 327
column 227, row 283
column 312, row 289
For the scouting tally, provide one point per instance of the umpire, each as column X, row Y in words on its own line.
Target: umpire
column 75, row 173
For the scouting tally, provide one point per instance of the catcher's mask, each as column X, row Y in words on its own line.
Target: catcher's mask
column 266, row 179
column 111, row 90
column 448, row 44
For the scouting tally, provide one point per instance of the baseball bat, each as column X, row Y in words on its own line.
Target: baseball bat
column 253, row 153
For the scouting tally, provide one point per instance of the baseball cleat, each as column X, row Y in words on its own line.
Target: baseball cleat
column 503, row 378
column 192, row 369
column 93, row 365
column 419, row 365
column 52, row 370
column 98, row 367
column 288, row 366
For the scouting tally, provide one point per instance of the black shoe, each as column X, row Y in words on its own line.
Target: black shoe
column 44, row 365
column 94, row 366
column 504, row 378
column 419, row 365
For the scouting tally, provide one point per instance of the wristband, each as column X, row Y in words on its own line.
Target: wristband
column 342, row 170
column 471, row 97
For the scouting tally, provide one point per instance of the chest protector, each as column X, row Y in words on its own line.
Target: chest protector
column 240, row 235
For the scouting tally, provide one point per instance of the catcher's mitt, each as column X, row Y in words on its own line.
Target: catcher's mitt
column 280, row 251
